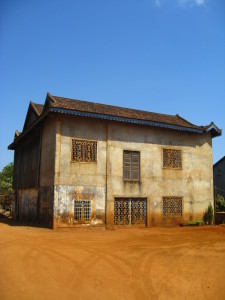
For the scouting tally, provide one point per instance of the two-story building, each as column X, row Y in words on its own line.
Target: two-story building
column 79, row 162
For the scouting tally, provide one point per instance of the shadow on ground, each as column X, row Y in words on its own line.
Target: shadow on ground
column 9, row 221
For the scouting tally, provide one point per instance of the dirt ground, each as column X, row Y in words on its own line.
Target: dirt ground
column 131, row 263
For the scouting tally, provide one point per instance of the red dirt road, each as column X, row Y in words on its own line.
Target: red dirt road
column 156, row 263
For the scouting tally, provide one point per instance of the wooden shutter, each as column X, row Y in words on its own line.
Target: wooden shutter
column 131, row 165
column 127, row 165
column 135, row 165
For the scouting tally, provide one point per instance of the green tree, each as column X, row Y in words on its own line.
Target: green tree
column 6, row 179
column 220, row 203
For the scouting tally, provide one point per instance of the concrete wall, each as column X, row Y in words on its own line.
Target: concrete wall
column 63, row 181
column 194, row 182
column 79, row 180
column 47, row 171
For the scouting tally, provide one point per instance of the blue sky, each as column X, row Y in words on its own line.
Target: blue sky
column 164, row 56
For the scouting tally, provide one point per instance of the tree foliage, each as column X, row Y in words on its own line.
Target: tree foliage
column 220, row 203
column 6, row 179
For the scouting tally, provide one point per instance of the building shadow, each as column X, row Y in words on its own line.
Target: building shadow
column 11, row 222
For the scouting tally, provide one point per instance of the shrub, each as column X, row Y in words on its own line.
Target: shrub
column 205, row 217
column 208, row 215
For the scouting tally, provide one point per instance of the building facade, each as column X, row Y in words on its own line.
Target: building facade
column 80, row 163
column 219, row 175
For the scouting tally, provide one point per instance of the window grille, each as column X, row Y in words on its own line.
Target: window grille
column 84, row 151
column 172, row 159
column 131, row 165
column 130, row 211
column 82, row 210
column 138, row 211
column 172, row 207
column 121, row 212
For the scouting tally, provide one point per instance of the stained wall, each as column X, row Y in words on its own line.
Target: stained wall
column 194, row 182
column 79, row 180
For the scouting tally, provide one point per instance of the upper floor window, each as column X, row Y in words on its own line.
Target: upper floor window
column 84, row 151
column 131, row 165
column 172, row 159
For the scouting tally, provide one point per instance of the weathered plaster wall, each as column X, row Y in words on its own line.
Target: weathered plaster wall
column 64, row 204
column 79, row 178
column 193, row 182
column 47, row 171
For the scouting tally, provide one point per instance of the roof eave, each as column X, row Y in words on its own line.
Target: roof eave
column 218, row 162
column 125, row 120
column 215, row 131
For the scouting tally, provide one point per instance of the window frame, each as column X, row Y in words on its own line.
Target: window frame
column 83, row 162
column 182, row 207
column 175, row 149
column 83, row 213
column 129, row 216
column 131, row 164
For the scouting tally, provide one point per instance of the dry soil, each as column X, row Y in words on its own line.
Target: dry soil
column 131, row 263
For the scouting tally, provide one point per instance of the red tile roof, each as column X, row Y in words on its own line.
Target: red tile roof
column 91, row 107
column 59, row 104
column 38, row 108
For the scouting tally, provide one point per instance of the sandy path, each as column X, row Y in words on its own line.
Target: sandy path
column 156, row 263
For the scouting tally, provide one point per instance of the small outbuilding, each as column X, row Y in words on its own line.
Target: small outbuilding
column 219, row 190
column 219, row 174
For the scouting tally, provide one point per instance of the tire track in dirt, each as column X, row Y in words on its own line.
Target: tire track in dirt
column 103, row 261
column 120, row 264
column 83, row 268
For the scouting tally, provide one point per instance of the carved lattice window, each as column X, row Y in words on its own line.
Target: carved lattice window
column 172, row 159
column 130, row 211
column 121, row 212
column 172, row 206
column 84, row 151
column 131, row 165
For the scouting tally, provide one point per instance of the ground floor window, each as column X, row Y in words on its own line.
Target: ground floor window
column 82, row 211
column 172, row 206
column 130, row 211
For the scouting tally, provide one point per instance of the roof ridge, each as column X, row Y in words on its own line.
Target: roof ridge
column 51, row 97
column 33, row 105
